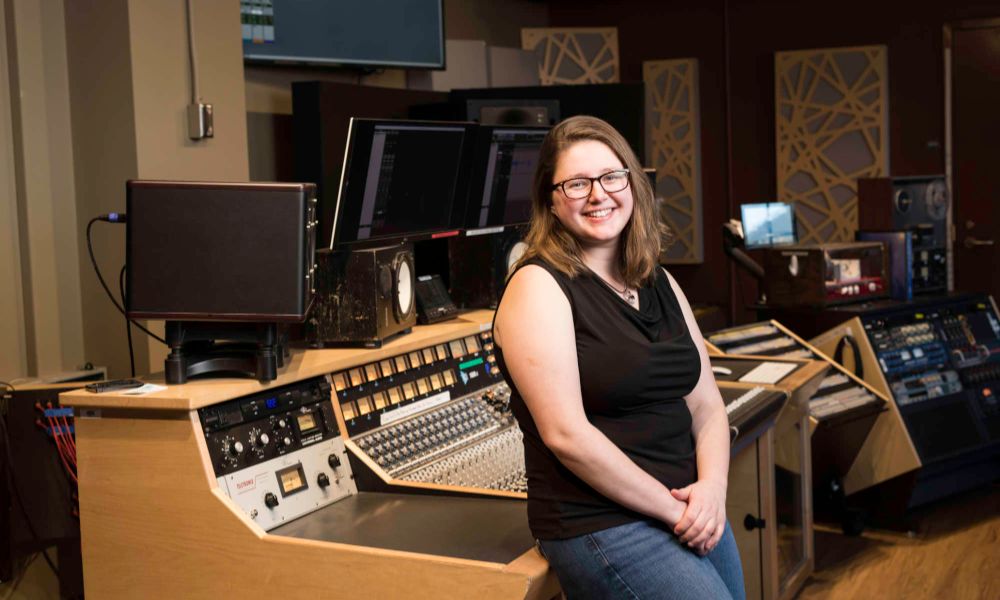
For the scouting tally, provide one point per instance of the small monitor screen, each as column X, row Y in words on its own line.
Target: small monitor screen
column 505, row 161
column 768, row 224
column 401, row 180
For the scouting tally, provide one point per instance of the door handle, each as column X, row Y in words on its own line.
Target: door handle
column 971, row 242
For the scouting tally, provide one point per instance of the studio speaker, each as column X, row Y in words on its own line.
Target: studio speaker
column 480, row 264
column 363, row 297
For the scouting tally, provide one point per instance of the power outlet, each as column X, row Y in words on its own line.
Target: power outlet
column 200, row 121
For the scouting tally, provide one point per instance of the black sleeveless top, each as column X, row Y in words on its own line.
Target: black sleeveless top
column 635, row 366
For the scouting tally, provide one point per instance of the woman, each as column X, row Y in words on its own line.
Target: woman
column 625, row 434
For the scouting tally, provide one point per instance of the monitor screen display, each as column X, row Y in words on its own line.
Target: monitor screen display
column 504, row 167
column 768, row 224
column 386, row 33
column 402, row 180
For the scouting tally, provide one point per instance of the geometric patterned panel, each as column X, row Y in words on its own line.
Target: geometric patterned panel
column 673, row 148
column 831, row 127
column 574, row 55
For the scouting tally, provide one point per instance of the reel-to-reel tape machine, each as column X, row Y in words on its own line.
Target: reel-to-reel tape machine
column 920, row 205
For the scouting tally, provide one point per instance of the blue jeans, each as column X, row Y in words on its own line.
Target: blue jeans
column 642, row 561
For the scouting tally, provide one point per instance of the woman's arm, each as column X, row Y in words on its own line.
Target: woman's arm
column 704, row 521
column 534, row 328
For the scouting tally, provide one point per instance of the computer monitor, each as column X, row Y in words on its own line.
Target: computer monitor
column 504, row 168
column 402, row 181
column 768, row 224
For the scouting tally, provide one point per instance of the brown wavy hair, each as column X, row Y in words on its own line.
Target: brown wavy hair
column 549, row 240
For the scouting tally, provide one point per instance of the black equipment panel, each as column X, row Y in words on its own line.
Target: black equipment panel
column 487, row 529
column 256, row 428
column 749, row 408
column 374, row 394
column 942, row 364
column 201, row 251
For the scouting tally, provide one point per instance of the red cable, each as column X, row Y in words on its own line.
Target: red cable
column 68, row 443
column 69, row 436
column 64, row 454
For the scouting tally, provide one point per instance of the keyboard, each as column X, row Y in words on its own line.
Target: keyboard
column 748, row 408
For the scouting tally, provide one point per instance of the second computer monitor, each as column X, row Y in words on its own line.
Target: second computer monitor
column 402, row 180
column 505, row 161
column 768, row 224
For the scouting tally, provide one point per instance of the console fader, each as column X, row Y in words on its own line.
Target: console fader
column 437, row 415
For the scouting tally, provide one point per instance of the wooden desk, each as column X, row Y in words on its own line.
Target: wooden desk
column 155, row 524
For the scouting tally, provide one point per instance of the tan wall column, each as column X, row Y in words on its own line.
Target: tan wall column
column 43, row 180
column 131, row 84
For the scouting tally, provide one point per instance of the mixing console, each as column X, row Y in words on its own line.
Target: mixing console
column 837, row 394
column 747, row 409
column 436, row 415
column 942, row 363
column 278, row 453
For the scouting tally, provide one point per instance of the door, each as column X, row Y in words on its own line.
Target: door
column 975, row 153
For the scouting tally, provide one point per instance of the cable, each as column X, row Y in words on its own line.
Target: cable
column 113, row 218
column 195, row 95
column 128, row 322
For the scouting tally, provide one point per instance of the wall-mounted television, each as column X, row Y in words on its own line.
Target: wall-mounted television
column 768, row 224
column 359, row 33
column 402, row 181
column 504, row 162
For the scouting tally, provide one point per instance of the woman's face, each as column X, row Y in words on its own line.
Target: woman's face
column 598, row 219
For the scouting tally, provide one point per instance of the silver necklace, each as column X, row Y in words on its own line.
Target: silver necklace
column 626, row 294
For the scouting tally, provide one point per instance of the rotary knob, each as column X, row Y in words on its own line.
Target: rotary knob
column 236, row 448
column 270, row 500
column 323, row 480
column 262, row 440
column 334, row 461
column 286, row 442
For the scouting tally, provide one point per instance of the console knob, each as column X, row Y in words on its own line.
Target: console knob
column 263, row 439
column 282, row 423
column 334, row 461
column 270, row 500
column 286, row 441
column 236, row 448
column 323, row 480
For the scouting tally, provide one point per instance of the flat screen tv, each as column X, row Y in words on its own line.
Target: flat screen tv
column 504, row 162
column 402, row 181
column 768, row 224
column 360, row 33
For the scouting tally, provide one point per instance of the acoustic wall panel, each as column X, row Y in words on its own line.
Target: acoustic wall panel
column 574, row 55
column 673, row 148
column 831, row 127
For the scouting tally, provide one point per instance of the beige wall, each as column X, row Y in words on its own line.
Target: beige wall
column 43, row 176
column 14, row 362
column 105, row 85
column 130, row 88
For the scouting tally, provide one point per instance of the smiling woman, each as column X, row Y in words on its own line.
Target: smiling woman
column 626, row 439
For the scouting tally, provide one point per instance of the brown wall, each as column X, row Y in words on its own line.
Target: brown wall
column 654, row 30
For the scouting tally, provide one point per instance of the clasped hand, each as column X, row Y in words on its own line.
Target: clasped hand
column 704, row 519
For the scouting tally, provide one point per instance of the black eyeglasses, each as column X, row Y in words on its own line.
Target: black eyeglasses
column 579, row 188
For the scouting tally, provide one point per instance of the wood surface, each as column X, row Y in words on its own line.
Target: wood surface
column 153, row 527
column 953, row 552
column 888, row 450
column 742, row 499
column 303, row 364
